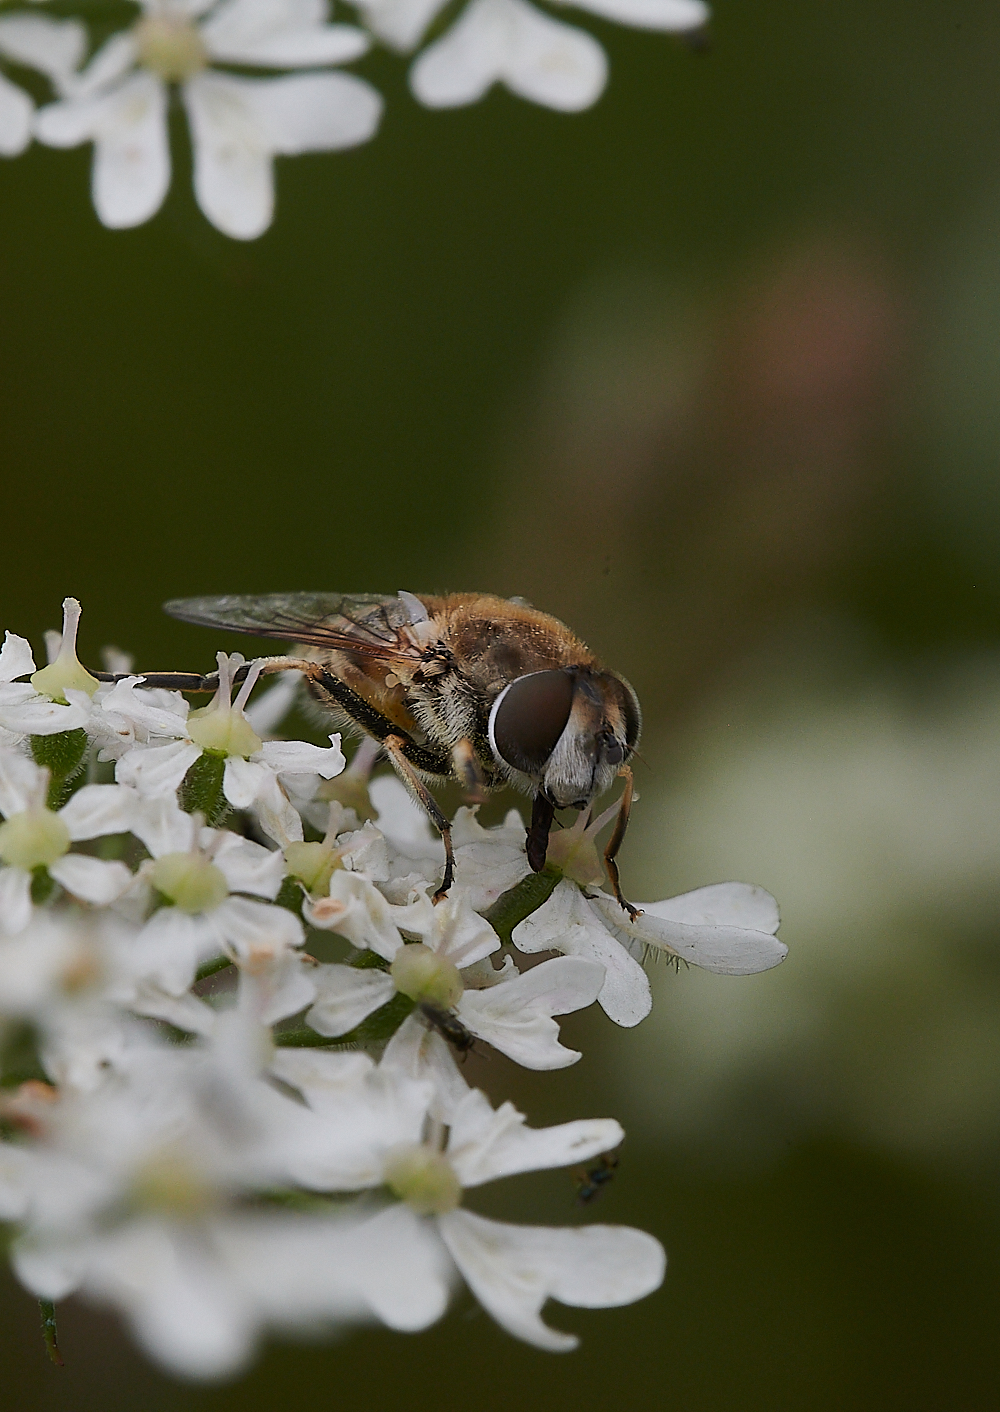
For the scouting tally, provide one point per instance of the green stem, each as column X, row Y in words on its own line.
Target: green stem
column 518, row 902
column 49, row 1332
column 211, row 968
column 376, row 1029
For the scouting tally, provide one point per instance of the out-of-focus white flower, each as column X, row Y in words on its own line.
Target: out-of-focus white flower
column 137, row 1195
column 253, row 767
column 513, row 43
column 238, row 125
column 728, row 928
column 512, row 1270
column 34, row 837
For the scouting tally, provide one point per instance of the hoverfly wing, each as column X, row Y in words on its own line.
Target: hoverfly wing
column 371, row 624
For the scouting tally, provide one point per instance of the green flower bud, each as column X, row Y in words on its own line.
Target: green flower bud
column 426, row 977
column 189, row 881
column 33, row 839
column 424, row 1179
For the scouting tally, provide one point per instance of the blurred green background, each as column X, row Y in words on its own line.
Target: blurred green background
column 713, row 372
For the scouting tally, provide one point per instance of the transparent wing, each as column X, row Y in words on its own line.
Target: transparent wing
column 371, row 624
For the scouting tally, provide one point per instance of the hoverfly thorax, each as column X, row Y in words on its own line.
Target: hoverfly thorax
column 568, row 730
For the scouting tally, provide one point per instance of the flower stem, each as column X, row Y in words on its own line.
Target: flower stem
column 49, row 1333
column 62, row 755
column 518, row 902
column 201, row 789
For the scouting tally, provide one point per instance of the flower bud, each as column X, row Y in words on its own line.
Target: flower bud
column 189, row 881
column 33, row 839
column 424, row 1179
column 426, row 977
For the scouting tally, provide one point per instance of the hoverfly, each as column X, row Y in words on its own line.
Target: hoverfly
column 467, row 686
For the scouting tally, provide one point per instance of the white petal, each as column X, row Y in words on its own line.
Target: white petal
column 157, row 770
column 244, row 780
column 485, row 1143
column 516, row 1015
column 16, row 109
column 452, row 928
column 91, row 879
column 648, row 14
column 141, row 708
column 345, row 996
column 274, row 985
column 730, row 904
column 400, row 23
column 131, row 153
column 38, row 716
column 487, row 861
column 162, row 826
column 111, row 62
column 249, row 867
column 98, row 809
column 280, row 34
column 403, row 823
column 356, row 910
column 15, row 900
column 510, row 42
column 238, row 124
column 15, row 1181
column 299, row 758
column 567, row 923
column 20, row 781
column 15, row 658
column 270, row 709
column 727, row 950
column 169, row 948
column 512, row 1270
column 365, row 851
column 421, row 1054
column 401, row 1269
column 247, row 927
column 54, row 47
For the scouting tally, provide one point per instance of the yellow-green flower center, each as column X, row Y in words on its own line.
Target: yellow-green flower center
column 32, row 839
column 313, row 864
column 170, row 1184
column 223, row 730
column 424, row 1179
column 426, row 977
column 189, row 881
column 171, row 46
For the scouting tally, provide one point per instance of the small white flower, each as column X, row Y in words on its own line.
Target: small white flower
column 253, row 768
column 512, row 1270
column 55, row 47
column 42, row 706
column 238, row 125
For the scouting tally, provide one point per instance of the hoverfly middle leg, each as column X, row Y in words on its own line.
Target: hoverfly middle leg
column 615, row 842
column 394, row 746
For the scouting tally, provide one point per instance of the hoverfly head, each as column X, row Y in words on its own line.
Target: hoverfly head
column 568, row 730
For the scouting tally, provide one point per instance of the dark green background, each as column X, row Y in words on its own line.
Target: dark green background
column 716, row 356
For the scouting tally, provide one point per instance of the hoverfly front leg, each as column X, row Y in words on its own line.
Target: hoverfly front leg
column 537, row 841
column 394, row 746
column 615, row 842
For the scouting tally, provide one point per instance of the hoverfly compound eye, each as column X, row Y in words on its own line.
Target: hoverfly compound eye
column 528, row 717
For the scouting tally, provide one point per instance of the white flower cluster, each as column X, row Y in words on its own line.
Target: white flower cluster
column 218, row 1133
column 118, row 95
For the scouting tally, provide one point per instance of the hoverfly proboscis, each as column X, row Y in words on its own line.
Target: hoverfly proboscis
column 470, row 687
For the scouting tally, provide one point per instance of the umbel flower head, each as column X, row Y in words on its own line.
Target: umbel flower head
column 194, row 1147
